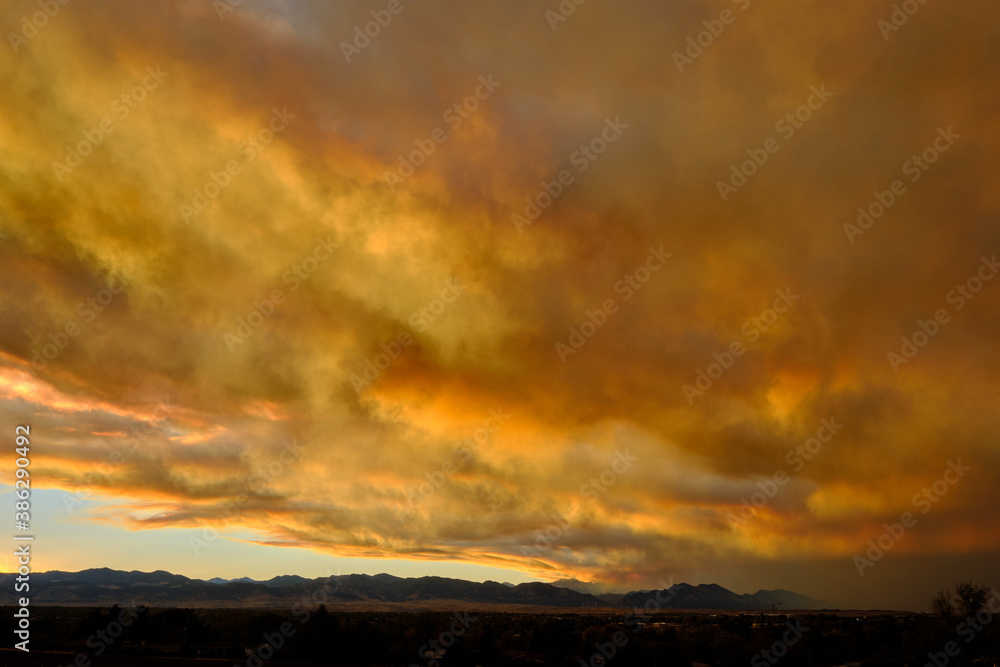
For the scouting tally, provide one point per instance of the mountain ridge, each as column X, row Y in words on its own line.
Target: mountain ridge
column 98, row 586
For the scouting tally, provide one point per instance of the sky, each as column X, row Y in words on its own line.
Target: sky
column 632, row 293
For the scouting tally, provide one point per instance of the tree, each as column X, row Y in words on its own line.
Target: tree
column 942, row 605
column 969, row 599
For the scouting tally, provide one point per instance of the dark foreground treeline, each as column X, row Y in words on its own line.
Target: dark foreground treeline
column 268, row 637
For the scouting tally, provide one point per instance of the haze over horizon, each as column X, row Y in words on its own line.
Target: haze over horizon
column 497, row 295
